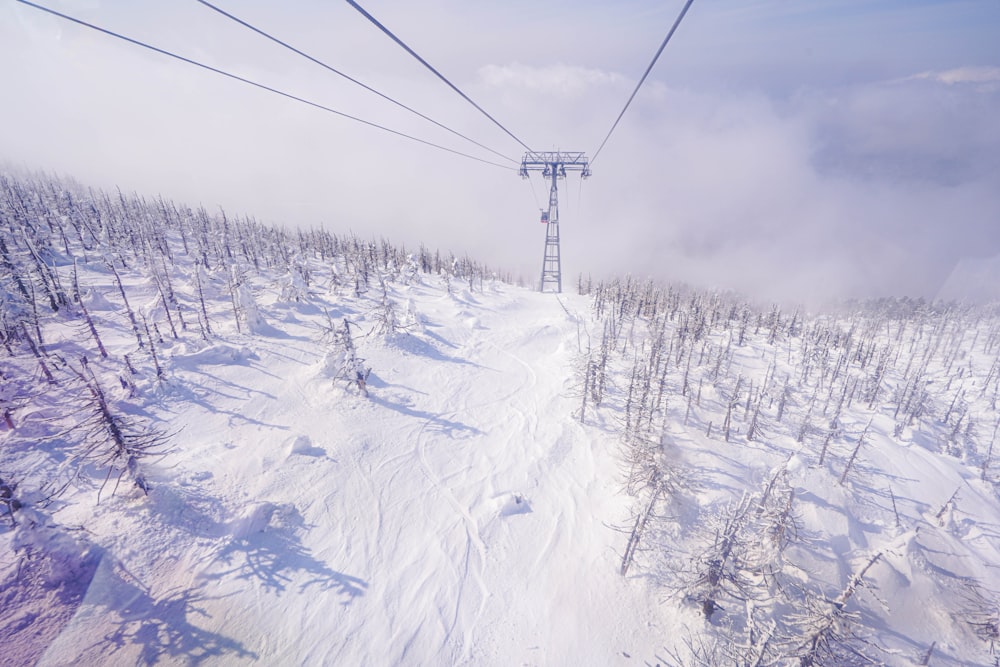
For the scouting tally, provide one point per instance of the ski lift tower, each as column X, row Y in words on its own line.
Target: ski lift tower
column 554, row 165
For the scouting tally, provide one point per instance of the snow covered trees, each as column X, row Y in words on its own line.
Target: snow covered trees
column 245, row 310
column 352, row 366
column 9, row 500
column 828, row 632
column 342, row 361
column 765, row 452
column 719, row 393
column 115, row 441
column 77, row 264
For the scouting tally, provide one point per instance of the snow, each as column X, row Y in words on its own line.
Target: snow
column 462, row 513
column 210, row 355
column 457, row 516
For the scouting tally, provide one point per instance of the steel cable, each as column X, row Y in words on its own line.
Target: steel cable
column 262, row 86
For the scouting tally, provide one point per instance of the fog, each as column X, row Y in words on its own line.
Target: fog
column 789, row 150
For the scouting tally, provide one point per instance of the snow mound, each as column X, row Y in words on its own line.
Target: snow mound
column 469, row 320
column 96, row 301
column 303, row 444
column 215, row 354
column 255, row 519
column 509, row 504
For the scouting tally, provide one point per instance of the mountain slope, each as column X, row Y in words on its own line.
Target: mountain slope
column 456, row 515
column 225, row 443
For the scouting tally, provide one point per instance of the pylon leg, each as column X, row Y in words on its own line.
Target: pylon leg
column 551, row 264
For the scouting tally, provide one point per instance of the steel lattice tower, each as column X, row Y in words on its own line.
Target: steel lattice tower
column 553, row 165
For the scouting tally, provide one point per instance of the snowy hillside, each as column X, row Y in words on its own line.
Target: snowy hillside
column 225, row 443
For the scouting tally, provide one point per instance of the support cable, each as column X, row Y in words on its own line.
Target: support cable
column 431, row 68
column 643, row 79
column 533, row 193
column 254, row 83
column 350, row 78
column 579, row 196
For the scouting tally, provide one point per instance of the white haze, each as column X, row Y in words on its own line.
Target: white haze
column 839, row 149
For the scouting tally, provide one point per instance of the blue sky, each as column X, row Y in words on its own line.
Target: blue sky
column 792, row 149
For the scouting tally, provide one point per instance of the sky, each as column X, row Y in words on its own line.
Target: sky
column 791, row 150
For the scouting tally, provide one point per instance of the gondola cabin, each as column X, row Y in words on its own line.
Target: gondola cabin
column 545, row 217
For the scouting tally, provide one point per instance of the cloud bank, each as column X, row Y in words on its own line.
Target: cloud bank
column 762, row 155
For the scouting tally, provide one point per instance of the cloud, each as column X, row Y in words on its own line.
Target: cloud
column 965, row 75
column 858, row 190
column 924, row 128
column 561, row 80
column 774, row 161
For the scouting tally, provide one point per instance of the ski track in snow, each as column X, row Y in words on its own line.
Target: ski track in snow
column 434, row 523
column 501, row 416
column 460, row 514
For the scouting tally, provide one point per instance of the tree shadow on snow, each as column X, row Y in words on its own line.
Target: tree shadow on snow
column 67, row 590
column 265, row 547
column 438, row 337
column 415, row 345
column 159, row 627
column 213, row 380
column 442, row 424
column 186, row 507
column 41, row 589
column 190, row 395
column 268, row 330
column 376, row 382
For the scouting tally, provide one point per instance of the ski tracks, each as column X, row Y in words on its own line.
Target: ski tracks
column 439, row 575
column 463, row 472
column 473, row 540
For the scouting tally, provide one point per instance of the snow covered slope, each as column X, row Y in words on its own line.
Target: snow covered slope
column 456, row 515
column 229, row 444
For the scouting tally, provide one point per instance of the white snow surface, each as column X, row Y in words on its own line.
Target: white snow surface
column 451, row 507
column 457, row 516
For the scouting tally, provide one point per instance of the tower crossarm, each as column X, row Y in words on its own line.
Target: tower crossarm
column 555, row 162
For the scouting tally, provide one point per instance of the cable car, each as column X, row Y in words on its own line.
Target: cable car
column 545, row 217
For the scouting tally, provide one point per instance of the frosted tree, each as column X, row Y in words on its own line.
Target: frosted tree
column 410, row 271
column 829, row 631
column 246, row 306
column 342, row 360
column 726, row 566
column 9, row 501
column 386, row 316
column 295, row 284
column 117, row 442
column 667, row 481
